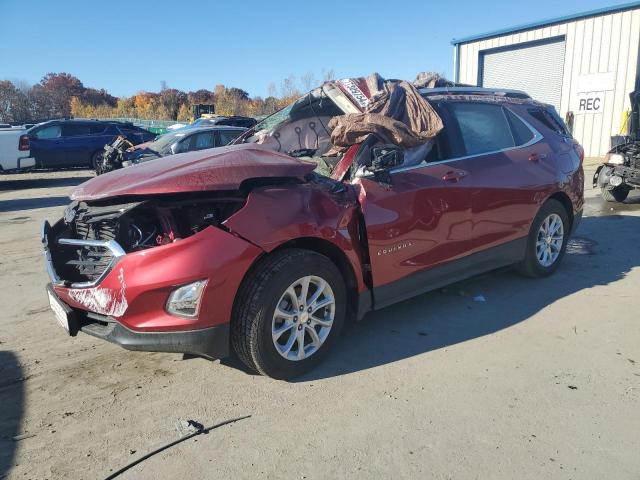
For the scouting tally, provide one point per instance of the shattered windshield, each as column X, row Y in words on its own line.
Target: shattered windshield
column 275, row 118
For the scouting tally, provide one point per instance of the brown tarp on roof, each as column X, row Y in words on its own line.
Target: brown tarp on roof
column 396, row 114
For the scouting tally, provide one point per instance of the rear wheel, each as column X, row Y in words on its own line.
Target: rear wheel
column 616, row 194
column 288, row 313
column 547, row 240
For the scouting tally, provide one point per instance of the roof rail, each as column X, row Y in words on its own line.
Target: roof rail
column 474, row 91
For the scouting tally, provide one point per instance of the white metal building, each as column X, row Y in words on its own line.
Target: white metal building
column 586, row 64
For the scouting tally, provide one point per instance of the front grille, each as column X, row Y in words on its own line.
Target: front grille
column 81, row 263
column 79, row 254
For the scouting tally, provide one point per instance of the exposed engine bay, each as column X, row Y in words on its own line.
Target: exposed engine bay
column 620, row 173
column 84, row 243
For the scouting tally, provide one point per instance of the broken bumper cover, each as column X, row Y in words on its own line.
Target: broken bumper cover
column 603, row 174
column 212, row 342
column 128, row 305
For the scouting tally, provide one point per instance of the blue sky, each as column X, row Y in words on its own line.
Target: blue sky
column 127, row 46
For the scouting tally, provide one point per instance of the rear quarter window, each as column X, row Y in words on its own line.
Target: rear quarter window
column 549, row 119
column 521, row 133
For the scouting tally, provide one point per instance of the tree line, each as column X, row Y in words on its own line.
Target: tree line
column 64, row 95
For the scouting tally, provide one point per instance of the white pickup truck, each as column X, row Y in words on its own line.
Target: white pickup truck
column 15, row 154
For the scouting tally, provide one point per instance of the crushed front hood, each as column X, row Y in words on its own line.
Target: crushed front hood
column 217, row 169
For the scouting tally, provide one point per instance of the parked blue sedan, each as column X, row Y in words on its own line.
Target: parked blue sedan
column 78, row 143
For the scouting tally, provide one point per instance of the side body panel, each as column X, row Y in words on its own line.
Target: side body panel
column 416, row 223
column 507, row 191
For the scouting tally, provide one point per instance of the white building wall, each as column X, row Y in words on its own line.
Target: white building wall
column 603, row 44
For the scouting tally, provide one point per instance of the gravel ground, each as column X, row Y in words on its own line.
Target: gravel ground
column 540, row 380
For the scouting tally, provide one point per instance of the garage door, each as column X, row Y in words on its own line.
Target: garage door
column 535, row 68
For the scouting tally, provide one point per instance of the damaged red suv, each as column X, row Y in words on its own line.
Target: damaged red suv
column 265, row 248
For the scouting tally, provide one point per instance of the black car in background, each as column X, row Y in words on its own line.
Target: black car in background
column 231, row 121
column 79, row 143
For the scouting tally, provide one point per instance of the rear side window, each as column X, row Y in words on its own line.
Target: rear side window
column 75, row 129
column 53, row 131
column 97, row 129
column 483, row 127
column 204, row 140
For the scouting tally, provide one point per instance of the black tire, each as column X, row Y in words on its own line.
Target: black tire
column 531, row 266
column 251, row 334
column 96, row 161
column 616, row 194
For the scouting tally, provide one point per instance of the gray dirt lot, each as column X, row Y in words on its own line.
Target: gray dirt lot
column 542, row 380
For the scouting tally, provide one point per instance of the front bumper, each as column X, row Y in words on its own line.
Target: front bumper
column 127, row 305
column 630, row 176
column 212, row 342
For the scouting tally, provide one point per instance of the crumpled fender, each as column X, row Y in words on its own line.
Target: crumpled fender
column 602, row 175
column 275, row 215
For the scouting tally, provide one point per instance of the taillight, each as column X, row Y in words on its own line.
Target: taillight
column 23, row 143
column 579, row 150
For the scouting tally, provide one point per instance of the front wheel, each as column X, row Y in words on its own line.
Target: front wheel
column 547, row 240
column 288, row 313
column 616, row 194
column 96, row 161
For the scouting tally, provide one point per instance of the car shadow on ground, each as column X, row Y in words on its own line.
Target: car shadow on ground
column 27, row 182
column 12, row 401
column 483, row 305
column 21, row 204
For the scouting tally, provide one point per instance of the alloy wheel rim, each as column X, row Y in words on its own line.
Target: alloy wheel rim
column 303, row 318
column 549, row 240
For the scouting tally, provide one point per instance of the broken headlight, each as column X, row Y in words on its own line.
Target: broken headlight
column 614, row 159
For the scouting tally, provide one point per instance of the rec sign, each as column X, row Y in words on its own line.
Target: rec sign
column 592, row 102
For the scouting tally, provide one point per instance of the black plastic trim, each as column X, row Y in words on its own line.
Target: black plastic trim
column 453, row 271
column 212, row 342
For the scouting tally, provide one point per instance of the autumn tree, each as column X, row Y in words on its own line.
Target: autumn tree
column 60, row 87
column 14, row 104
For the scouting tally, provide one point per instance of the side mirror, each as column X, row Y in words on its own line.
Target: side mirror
column 386, row 157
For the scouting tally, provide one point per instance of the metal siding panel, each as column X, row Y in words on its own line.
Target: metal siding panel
column 605, row 50
column 610, row 36
column 586, row 51
column 570, row 49
column 535, row 69
column 578, row 128
column 462, row 64
column 474, row 63
column 616, row 32
column 621, row 71
column 632, row 54
column 596, row 45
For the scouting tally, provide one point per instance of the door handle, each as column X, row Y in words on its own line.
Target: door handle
column 454, row 176
column 536, row 157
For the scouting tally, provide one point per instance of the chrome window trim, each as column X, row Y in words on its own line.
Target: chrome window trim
column 537, row 137
column 111, row 245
